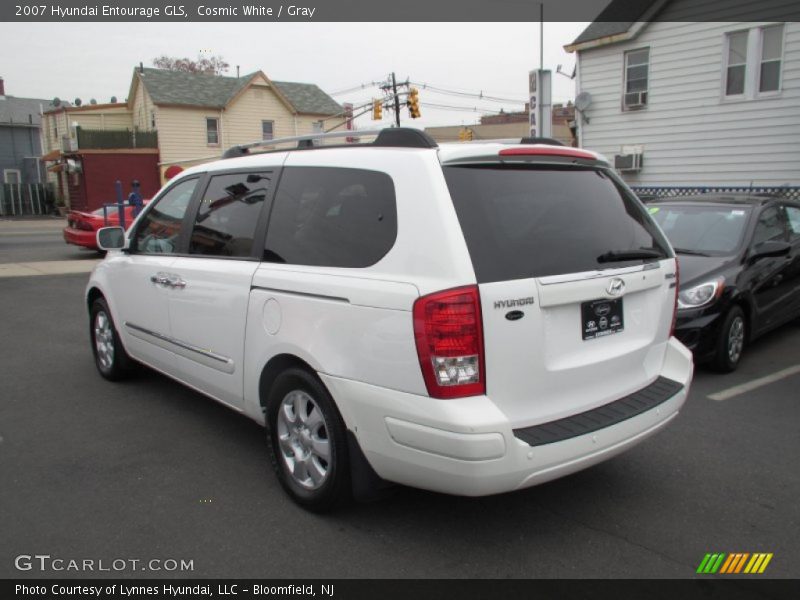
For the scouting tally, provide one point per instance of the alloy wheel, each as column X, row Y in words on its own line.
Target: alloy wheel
column 104, row 340
column 736, row 339
column 305, row 448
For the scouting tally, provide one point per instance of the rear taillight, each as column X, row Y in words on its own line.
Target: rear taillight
column 83, row 225
column 449, row 335
column 677, row 290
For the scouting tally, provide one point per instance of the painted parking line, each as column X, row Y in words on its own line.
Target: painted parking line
column 47, row 267
column 748, row 386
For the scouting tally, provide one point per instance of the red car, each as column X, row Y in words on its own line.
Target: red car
column 82, row 227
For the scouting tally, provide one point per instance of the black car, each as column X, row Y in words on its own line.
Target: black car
column 739, row 258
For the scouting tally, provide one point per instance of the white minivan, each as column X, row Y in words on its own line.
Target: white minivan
column 466, row 318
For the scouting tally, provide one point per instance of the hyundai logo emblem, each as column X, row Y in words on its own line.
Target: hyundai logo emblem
column 615, row 287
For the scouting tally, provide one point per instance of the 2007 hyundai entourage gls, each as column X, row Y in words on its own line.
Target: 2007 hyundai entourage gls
column 466, row 318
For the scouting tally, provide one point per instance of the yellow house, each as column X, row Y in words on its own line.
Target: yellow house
column 198, row 116
column 187, row 117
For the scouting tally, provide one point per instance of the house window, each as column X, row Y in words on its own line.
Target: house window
column 267, row 132
column 152, row 121
column 12, row 176
column 737, row 63
column 637, row 65
column 771, row 52
column 753, row 62
column 212, row 131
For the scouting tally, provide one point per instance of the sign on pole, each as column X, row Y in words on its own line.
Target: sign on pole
column 541, row 107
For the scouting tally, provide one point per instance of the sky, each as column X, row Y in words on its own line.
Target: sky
column 96, row 60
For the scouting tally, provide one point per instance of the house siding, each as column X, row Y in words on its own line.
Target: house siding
column 143, row 109
column 242, row 118
column 18, row 147
column 690, row 133
column 182, row 134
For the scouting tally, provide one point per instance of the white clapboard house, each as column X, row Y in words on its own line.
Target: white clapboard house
column 691, row 104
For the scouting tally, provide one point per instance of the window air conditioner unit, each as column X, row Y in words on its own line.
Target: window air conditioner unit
column 635, row 99
column 628, row 162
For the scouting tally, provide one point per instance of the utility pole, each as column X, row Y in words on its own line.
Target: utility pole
column 396, row 100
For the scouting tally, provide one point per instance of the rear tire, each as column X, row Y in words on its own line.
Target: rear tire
column 307, row 441
column 110, row 357
column 730, row 342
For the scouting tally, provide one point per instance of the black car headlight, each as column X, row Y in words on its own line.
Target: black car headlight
column 702, row 294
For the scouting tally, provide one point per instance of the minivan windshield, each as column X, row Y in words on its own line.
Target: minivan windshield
column 523, row 221
column 704, row 229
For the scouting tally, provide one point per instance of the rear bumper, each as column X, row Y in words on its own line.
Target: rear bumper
column 79, row 237
column 467, row 446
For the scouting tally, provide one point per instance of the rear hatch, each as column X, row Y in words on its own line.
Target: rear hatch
column 577, row 284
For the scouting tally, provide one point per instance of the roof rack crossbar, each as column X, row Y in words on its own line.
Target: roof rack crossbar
column 401, row 137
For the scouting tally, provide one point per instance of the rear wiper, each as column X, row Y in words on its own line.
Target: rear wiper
column 621, row 255
column 689, row 252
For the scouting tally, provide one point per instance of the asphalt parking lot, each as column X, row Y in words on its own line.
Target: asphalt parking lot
column 149, row 469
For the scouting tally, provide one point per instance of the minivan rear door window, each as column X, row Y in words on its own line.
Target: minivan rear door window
column 523, row 221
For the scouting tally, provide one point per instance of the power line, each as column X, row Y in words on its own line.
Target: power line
column 360, row 86
column 461, row 108
column 480, row 95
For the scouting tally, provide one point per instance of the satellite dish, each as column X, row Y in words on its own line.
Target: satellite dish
column 56, row 101
column 583, row 101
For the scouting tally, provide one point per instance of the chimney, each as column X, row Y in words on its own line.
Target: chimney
column 141, row 67
column 237, row 72
column 2, row 88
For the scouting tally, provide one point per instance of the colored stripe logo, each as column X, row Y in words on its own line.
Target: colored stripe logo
column 737, row 562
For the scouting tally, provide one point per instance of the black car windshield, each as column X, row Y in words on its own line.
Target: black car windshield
column 705, row 229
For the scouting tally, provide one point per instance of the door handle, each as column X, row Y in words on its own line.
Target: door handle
column 159, row 279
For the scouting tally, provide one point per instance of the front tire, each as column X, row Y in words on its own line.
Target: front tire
column 307, row 441
column 730, row 343
column 110, row 357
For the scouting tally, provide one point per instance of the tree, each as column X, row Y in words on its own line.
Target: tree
column 210, row 65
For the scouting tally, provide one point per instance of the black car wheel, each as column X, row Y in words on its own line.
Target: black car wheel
column 307, row 441
column 730, row 343
column 109, row 356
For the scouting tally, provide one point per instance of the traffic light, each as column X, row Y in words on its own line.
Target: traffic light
column 413, row 103
column 377, row 110
column 465, row 135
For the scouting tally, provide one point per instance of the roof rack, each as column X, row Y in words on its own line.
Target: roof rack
column 402, row 137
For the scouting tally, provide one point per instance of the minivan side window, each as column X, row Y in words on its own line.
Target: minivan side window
column 226, row 220
column 332, row 217
column 157, row 232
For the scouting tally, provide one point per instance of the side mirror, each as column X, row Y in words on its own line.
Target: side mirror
column 111, row 238
column 770, row 249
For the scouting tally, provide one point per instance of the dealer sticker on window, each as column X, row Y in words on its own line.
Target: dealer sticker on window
column 601, row 317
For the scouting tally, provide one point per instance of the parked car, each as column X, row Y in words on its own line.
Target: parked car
column 465, row 318
column 81, row 229
column 740, row 270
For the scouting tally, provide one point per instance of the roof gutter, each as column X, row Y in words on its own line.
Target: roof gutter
column 633, row 31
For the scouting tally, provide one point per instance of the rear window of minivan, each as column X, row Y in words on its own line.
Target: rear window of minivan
column 530, row 221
